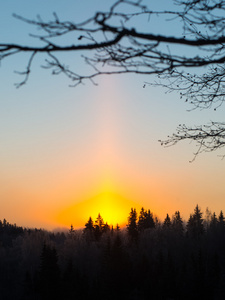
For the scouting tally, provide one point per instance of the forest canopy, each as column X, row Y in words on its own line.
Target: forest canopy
column 99, row 261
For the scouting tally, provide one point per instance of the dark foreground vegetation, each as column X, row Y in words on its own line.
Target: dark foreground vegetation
column 148, row 259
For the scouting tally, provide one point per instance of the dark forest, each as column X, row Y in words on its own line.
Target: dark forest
column 148, row 259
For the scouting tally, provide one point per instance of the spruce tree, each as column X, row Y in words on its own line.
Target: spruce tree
column 141, row 225
column 99, row 226
column 177, row 222
column 167, row 222
column 149, row 221
column 145, row 220
column 89, row 226
column 195, row 227
column 221, row 219
column 89, row 229
column 213, row 221
column 132, row 224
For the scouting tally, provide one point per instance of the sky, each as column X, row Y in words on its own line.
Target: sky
column 70, row 153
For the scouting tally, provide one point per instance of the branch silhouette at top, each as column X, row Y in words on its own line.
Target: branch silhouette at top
column 112, row 42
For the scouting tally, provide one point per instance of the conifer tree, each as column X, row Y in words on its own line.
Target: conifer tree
column 221, row 219
column 71, row 231
column 149, row 221
column 89, row 229
column 99, row 226
column 214, row 220
column 177, row 222
column 195, row 226
column 99, row 223
column 141, row 220
column 106, row 227
column 132, row 224
column 167, row 222
column 117, row 227
column 145, row 220
column 89, row 226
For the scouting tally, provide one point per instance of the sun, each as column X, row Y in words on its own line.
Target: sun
column 113, row 208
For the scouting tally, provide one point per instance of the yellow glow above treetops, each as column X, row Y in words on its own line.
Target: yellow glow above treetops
column 113, row 207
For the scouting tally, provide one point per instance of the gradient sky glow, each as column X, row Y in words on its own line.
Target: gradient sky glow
column 68, row 153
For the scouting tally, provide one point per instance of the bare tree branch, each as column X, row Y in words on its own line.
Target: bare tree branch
column 208, row 138
column 190, row 62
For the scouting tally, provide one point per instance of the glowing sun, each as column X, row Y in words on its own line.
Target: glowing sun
column 113, row 208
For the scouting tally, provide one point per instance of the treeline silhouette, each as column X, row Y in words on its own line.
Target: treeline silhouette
column 148, row 259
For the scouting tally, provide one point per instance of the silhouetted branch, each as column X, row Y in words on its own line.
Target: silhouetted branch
column 208, row 138
column 190, row 62
column 122, row 48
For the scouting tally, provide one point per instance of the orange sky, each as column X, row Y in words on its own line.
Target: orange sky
column 106, row 162
column 68, row 153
